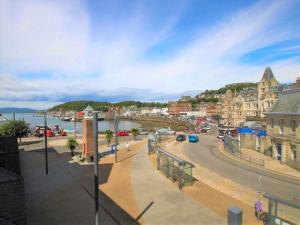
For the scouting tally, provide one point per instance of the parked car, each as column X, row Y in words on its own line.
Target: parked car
column 39, row 131
column 50, row 133
column 193, row 138
column 203, row 130
column 122, row 133
column 142, row 131
column 181, row 137
column 165, row 131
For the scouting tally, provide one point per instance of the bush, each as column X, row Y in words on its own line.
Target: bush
column 21, row 128
column 134, row 132
column 71, row 144
column 108, row 135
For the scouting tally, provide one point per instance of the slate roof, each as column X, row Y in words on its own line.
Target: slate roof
column 268, row 74
column 89, row 108
column 287, row 103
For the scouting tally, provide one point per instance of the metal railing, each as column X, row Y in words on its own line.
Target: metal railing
column 233, row 146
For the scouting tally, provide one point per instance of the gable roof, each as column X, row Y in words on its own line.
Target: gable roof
column 88, row 108
column 268, row 74
column 288, row 103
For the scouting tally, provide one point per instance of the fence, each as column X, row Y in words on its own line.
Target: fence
column 232, row 145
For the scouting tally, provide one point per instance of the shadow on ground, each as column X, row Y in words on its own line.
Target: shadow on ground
column 66, row 195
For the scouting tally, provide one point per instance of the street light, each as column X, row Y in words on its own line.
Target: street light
column 14, row 119
column 96, row 179
column 116, row 136
column 46, row 146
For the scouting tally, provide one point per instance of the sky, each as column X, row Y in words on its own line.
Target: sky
column 114, row 50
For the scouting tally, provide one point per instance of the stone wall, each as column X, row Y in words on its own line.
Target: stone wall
column 12, row 198
column 9, row 154
column 248, row 141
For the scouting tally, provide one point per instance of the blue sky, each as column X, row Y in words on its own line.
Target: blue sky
column 53, row 51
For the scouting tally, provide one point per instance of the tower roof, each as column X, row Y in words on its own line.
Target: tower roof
column 268, row 74
column 88, row 108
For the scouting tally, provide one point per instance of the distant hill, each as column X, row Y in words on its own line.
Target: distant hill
column 102, row 106
column 17, row 110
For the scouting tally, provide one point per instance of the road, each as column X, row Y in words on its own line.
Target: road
column 206, row 153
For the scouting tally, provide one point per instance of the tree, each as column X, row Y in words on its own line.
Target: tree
column 108, row 135
column 71, row 144
column 21, row 128
column 134, row 132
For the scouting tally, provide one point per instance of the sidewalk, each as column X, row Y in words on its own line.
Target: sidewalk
column 161, row 202
column 211, row 187
column 272, row 164
column 66, row 195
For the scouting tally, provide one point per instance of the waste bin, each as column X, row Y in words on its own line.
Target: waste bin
column 234, row 216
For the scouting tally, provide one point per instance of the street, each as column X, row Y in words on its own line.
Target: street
column 206, row 154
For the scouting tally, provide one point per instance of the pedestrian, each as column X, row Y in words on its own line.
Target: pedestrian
column 258, row 209
column 127, row 146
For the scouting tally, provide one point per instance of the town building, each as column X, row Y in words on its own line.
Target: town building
column 227, row 108
column 175, row 108
column 185, row 98
column 283, row 128
column 267, row 92
column 250, row 104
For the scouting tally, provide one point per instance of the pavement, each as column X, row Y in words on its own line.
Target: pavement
column 161, row 202
column 272, row 164
column 66, row 195
column 132, row 191
column 234, row 178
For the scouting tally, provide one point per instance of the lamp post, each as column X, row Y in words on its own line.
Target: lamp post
column 116, row 136
column 46, row 146
column 14, row 119
column 96, row 179
column 74, row 126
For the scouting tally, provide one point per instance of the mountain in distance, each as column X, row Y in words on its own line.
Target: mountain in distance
column 17, row 110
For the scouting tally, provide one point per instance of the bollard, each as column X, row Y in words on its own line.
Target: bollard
column 234, row 216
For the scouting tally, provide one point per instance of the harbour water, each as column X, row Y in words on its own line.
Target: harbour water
column 32, row 120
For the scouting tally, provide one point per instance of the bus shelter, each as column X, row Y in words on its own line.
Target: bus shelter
column 176, row 169
column 282, row 211
column 152, row 144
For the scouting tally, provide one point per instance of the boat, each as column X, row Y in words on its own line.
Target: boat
column 2, row 118
column 66, row 118
column 38, row 115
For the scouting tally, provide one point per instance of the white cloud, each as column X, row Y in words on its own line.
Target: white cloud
column 29, row 104
column 85, row 57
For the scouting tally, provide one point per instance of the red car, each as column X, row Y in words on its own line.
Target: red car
column 50, row 133
column 122, row 133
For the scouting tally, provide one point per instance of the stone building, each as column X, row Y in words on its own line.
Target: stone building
column 250, row 104
column 227, row 108
column 283, row 128
column 267, row 92
column 176, row 107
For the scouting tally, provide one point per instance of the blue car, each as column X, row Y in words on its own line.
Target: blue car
column 193, row 138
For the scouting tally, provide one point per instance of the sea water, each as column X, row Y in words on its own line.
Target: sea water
column 33, row 120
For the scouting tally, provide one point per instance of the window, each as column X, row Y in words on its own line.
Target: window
column 281, row 124
column 272, row 123
column 293, row 126
column 293, row 152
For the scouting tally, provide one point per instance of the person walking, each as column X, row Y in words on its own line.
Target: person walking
column 258, row 209
column 127, row 146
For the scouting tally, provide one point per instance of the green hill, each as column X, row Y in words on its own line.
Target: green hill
column 102, row 106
